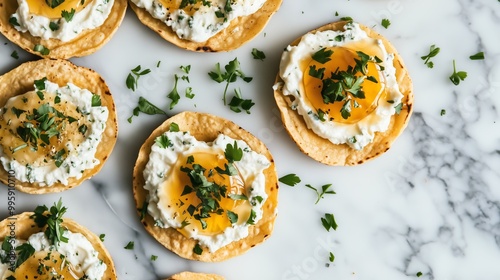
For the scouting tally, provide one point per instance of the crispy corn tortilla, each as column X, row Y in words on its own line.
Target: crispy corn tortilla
column 25, row 227
column 20, row 80
column 240, row 31
column 186, row 275
column 323, row 150
column 205, row 127
column 89, row 41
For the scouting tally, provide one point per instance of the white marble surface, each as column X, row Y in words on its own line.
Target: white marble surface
column 431, row 204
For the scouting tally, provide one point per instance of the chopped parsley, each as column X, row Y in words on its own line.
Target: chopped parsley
column 331, row 257
column 325, row 189
column 174, row 127
column 419, row 274
column 53, row 26
column 174, row 95
column 146, row 107
column 386, row 23
column 13, row 21
column 197, row 249
column 68, row 16
column 433, row 51
column 54, row 3
column 101, row 237
column 233, row 71
column 41, row 49
column 290, row 180
column 154, row 258
column 14, row 55
column 329, row 222
column 443, row 112
column 258, row 54
column 343, row 85
column 129, row 246
column 163, row 141
column 52, row 220
column 96, row 100
column 477, row 56
column 456, row 77
column 133, row 77
column 238, row 104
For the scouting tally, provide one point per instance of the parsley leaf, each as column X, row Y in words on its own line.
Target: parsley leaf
column 237, row 103
column 154, row 258
column 251, row 218
column 163, row 141
column 174, row 95
column 133, row 77
column 477, row 56
column 96, row 100
column 290, row 180
column 101, row 237
column 144, row 210
column 257, row 54
column 322, row 56
column 233, row 217
column 53, row 219
column 14, row 55
column 129, row 246
column 174, row 127
column 456, row 77
column 197, row 249
column 433, row 51
column 398, row 108
column 386, row 23
column 13, row 21
column 233, row 152
column 331, row 258
column 68, row 16
column 54, row 3
column 233, row 71
column 24, row 252
column 53, row 26
column 146, row 107
column 325, row 189
column 41, row 49
column 329, row 222
column 189, row 93
column 443, row 112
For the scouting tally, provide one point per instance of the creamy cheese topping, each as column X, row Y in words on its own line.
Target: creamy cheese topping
column 356, row 135
column 161, row 165
column 78, row 252
column 92, row 16
column 76, row 158
column 199, row 23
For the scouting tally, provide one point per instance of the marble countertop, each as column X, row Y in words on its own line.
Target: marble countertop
column 431, row 204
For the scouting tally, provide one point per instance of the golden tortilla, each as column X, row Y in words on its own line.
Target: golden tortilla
column 88, row 42
column 323, row 150
column 20, row 80
column 240, row 31
column 25, row 227
column 186, row 275
column 206, row 127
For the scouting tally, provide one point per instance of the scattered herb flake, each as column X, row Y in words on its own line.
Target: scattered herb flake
column 456, row 77
column 68, row 16
column 129, row 246
column 101, row 236
column 197, row 249
column 477, row 56
column 133, row 77
column 329, row 222
column 14, row 55
column 41, row 49
column 258, row 54
column 325, row 189
column 386, row 23
column 174, row 95
column 145, row 107
column 433, row 51
column 290, row 180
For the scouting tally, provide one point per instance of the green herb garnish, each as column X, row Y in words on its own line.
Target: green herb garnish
column 154, row 258
column 163, row 141
column 197, row 249
column 238, row 104
column 251, row 218
column 41, row 49
column 257, row 54
column 477, row 56
column 174, row 95
column 419, row 274
column 96, row 100
column 14, row 55
column 325, row 189
column 54, row 3
column 456, row 77
column 233, row 71
column 386, row 23
column 443, row 112
column 52, row 219
column 173, row 127
column 53, row 26
column 329, row 222
column 101, row 237
column 433, row 51
column 129, row 246
column 144, row 210
column 189, row 93
column 322, row 56
column 290, row 180
column 145, row 107
column 13, row 21
column 233, row 217
column 133, row 77
column 68, row 16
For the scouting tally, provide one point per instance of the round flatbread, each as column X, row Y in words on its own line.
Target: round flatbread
column 323, row 150
column 240, row 31
column 88, row 42
column 25, row 227
column 20, row 80
column 206, row 127
column 186, row 275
